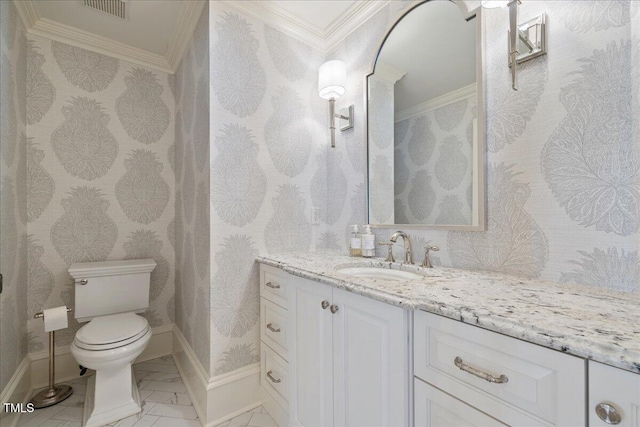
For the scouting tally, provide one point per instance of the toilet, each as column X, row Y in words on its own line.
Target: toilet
column 108, row 295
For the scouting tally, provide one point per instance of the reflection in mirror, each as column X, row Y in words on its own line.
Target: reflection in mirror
column 424, row 144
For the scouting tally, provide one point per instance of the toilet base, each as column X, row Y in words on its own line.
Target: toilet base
column 100, row 419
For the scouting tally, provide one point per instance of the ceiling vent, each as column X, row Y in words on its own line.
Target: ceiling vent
column 112, row 7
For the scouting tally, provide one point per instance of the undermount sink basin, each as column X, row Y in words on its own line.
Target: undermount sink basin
column 380, row 273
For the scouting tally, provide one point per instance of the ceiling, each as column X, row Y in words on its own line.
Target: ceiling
column 148, row 25
column 155, row 33
column 436, row 47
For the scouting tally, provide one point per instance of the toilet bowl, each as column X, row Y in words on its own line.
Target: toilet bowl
column 108, row 295
column 109, row 345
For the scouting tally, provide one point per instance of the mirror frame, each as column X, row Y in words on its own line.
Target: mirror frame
column 479, row 218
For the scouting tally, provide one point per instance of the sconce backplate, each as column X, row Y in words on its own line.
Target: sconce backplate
column 346, row 119
column 533, row 39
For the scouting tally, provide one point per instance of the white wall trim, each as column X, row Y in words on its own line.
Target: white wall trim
column 184, row 31
column 388, row 72
column 167, row 63
column 216, row 399
column 319, row 38
column 17, row 390
column 441, row 101
column 355, row 16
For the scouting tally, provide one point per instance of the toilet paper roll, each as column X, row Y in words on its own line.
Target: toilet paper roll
column 55, row 318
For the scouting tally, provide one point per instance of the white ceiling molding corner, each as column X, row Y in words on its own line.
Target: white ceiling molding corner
column 280, row 19
column 167, row 63
column 355, row 16
column 323, row 39
column 446, row 99
column 27, row 13
column 184, row 31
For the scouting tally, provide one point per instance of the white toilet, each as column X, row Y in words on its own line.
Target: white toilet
column 109, row 294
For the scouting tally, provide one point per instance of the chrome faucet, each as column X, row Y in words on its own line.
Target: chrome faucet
column 406, row 241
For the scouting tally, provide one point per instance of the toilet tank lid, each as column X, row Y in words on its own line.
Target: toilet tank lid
column 81, row 270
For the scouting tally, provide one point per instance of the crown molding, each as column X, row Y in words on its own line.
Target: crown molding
column 355, row 16
column 321, row 39
column 166, row 63
column 442, row 100
column 280, row 19
column 388, row 72
column 184, row 31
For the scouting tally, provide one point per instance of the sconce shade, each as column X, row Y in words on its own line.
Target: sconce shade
column 332, row 79
column 492, row 4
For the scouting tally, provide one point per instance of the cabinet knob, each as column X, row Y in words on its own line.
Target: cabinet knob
column 608, row 413
column 334, row 309
column 324, row 304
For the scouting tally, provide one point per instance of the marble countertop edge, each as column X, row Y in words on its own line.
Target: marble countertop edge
column 609, row 353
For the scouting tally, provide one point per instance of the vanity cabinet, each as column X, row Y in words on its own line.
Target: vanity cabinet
column 485, row 373
column 614, row 396
column 349, row 362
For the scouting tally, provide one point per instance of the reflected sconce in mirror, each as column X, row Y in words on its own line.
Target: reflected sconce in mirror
column 526, row 41
column 332, row 80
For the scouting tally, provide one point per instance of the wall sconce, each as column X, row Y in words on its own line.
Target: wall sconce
column 332, row 79
column 526, row 41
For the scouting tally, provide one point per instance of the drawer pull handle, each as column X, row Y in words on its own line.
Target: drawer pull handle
column 334, row 309
column 272, row 378
column 271, row 328
column 608, row 413
column 269, row 285
column 324, row 304
column 480, row 374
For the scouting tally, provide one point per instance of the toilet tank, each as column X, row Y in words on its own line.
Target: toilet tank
column 111, row 287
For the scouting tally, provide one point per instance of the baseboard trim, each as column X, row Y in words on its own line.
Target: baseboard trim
column 220, row 398
column 17, row 390
column 160, row 344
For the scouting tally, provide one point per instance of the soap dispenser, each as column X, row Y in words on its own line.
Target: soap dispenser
column 354, row 242
column 368, row 242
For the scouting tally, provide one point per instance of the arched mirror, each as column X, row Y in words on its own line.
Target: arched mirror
column 425, row 116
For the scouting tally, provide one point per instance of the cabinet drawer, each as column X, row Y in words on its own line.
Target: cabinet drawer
column 434, row 408
column 273, row 285
column 538, row 381
column 273, row 375
column 273, row 327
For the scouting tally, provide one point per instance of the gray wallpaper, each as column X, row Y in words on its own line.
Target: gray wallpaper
column 192, row 224
column 13, row 202
column 99, row 185
column 434, row 155
column 268, row 168
column 563, row 151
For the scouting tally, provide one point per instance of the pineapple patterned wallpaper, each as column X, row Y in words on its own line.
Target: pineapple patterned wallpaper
column 13, row 181
column 268, row 168
column 99, row 177
column 563, row 151
column 192, row 226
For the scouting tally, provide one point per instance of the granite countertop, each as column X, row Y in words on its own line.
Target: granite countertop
column 594, row 323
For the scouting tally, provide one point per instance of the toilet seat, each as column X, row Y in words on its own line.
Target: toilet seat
column 112, row 331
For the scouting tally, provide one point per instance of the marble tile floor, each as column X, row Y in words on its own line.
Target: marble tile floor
column 165, row 403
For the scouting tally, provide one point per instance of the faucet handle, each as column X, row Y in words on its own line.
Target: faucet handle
column 390, row 253
column 427, row 259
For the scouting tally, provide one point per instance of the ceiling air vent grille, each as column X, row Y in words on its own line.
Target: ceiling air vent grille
column 112, row 7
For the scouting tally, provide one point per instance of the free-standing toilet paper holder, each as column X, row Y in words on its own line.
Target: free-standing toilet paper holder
column 54, row 393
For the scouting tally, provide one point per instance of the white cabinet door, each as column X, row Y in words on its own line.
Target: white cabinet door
column 371, row 362
column 310, row 354
column 618, row 394
column 435, row 408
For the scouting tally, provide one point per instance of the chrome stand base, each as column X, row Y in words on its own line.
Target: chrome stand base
column 51, row 396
